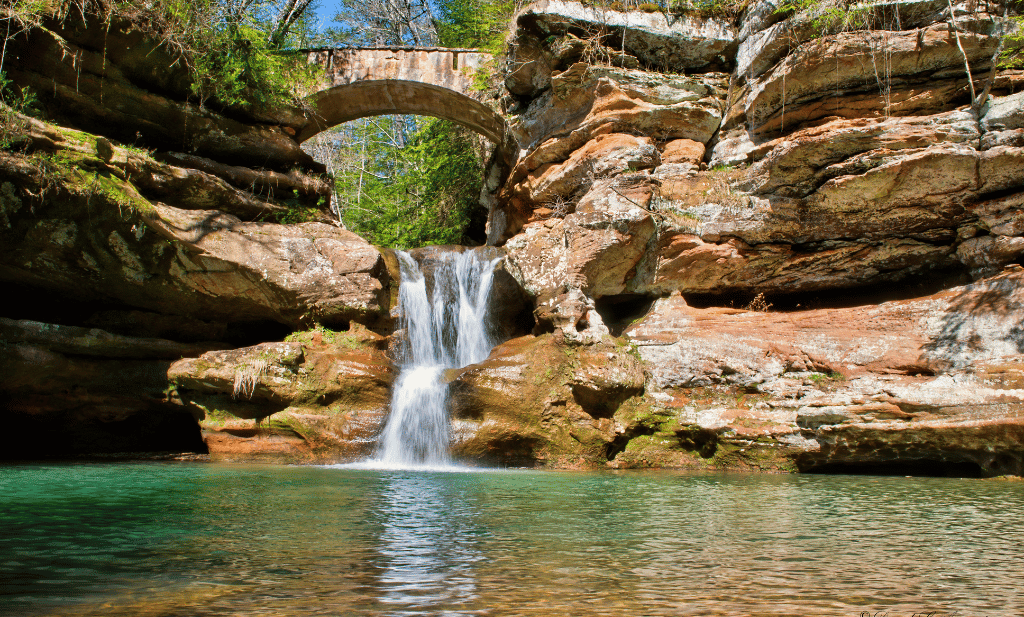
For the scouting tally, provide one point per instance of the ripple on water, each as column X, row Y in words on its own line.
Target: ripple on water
column 192, row 539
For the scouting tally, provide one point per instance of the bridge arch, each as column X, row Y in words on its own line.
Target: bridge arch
column 437, row 82
column 423, row 81
column 378, row 97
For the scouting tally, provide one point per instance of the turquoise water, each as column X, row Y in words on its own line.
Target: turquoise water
column 193, row 539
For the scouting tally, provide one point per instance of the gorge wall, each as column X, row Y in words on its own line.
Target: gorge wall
column 774, row 242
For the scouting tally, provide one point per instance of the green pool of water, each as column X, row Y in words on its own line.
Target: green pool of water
column 191, row 539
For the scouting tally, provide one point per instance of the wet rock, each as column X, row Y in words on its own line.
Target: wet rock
column 508, row 411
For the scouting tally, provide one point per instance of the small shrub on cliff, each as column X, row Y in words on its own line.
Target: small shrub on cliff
column 729, row 9
column 21, row 100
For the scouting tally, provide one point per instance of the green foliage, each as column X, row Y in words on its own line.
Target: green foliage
column 406, row 182
column 730, row 9
column 236, row 52
column 822, row 378
column 298, row 214
column 237, row 57
column 21, row 100
column 1012, row 56
column 239, row 69
column 480, row 24
column 323, row 335
column 832, row 15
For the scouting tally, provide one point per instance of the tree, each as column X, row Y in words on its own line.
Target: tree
column 386, row 22
column 406, row 181
column 475, row 23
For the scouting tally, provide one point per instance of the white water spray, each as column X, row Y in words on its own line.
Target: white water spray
column 446, row 327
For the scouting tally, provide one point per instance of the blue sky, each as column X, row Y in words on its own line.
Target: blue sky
column 325, row 10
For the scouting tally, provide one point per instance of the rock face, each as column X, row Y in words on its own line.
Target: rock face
column 127, row 258
column 832, row 199
column 114, row 82
column 830, row 175
column 813, row 168
column 321, row 396
column 70, row 391
column 933, row 385
column 935, row 380
column 77, row 223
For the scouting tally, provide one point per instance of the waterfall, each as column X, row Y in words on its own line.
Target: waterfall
column 446, row 326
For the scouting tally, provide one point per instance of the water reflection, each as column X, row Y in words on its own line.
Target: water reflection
column 427, row 546
column 198, row 540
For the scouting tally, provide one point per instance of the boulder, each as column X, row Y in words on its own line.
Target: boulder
column 321, row 396
column 1004, row 113
column 596, row 248
column 507, row 411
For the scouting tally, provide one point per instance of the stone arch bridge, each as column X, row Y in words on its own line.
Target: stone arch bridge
column 428, row 81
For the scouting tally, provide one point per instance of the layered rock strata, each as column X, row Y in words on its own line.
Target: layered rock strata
column 672, row 168
column 818, row 157
column 603, row 201
column 320, row 396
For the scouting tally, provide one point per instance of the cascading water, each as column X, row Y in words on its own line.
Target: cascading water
column 446, row 327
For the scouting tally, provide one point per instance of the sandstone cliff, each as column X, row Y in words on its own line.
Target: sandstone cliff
column 160, row 233
column 781, row 162
column 774, row 241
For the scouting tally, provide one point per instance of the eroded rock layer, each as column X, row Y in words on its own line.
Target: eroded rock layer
column 817, row 163
column 833, row 177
